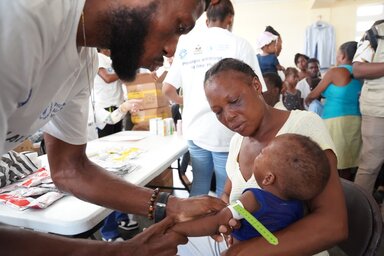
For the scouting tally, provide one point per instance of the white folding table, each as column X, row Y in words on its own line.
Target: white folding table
column 71, row 216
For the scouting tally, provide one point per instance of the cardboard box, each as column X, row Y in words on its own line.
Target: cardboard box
column 27, row 145
column 165, row 179
column 149, row 89
column 145, row 115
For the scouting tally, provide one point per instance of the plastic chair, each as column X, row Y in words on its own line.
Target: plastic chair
column 364, row 221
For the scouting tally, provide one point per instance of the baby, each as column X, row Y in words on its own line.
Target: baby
column 290, row 170
column 268, row 61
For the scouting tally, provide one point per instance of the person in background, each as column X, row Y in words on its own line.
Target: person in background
column 243, row 109
column 53, row 43
column 279, row 43
column 341, row 111
column 208, row 139
column 268, row 61
column 292, row 97
column 307, row 84
column 99, row 117
column 108, row 94
column 301, row 63
column 273, row 93
column 107, row 91
column 286, row 182
column 368, row 64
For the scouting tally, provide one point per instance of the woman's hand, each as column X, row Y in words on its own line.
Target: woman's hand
column 133, row 106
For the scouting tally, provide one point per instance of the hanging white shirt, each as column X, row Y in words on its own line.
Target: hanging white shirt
column 320, row 43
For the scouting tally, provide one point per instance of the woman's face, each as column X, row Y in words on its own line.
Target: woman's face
column 302, row 63
column 236, row 100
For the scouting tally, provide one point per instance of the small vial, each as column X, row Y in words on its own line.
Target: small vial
column 179, row 128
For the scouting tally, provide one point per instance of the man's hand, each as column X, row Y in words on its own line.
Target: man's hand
column 157, row 240
column 186, row 209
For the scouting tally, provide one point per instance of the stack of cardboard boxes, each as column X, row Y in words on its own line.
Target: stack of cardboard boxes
column 155, row 104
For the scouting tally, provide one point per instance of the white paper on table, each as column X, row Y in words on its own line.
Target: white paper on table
column 124, row 137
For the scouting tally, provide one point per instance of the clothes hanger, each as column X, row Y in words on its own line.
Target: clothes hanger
column 319, row 22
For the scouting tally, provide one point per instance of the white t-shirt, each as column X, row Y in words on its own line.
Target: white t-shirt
column 304, row 88
column 195, row 54
column 43, row 74
column 107, row 94
column 299, row 122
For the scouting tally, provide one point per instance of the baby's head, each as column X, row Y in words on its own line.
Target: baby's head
column 294, row 165
column 267, row 42
column 291, row 75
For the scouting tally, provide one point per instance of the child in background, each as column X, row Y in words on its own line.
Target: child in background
column 268, row 61
column 272, row 95
column 297, row 175
column 292, row 97
column 301, row 64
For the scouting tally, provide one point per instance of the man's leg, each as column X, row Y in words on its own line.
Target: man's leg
column 372, row 152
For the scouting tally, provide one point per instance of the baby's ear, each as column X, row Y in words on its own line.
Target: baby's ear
column 269, row 179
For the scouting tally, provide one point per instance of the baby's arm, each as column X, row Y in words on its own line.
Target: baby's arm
column 279, row 67
column 204, row 226
column 209, row 225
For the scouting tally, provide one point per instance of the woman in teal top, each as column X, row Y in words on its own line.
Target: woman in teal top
column 341, row 111
column 342, row 100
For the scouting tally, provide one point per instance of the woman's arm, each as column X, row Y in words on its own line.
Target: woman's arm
column 132, row 105
column 171, row 93
column 323, row 84
column 325, row 225
column 227, row 191
column 107, row 77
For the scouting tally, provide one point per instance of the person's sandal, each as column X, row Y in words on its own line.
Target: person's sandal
column 116, row 239
column 129, row 225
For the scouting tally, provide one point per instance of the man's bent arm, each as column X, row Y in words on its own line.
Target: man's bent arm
column 73, row 172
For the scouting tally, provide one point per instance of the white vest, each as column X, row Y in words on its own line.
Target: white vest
column 372, row 93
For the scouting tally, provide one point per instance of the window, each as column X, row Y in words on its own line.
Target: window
column 366, row 15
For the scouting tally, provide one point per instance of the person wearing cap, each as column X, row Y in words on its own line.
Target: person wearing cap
column 208, row 139
column 48, row 64
column 268, row 61
column 279, row 45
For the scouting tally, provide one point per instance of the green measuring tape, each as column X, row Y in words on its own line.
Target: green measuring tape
column 256, row 224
